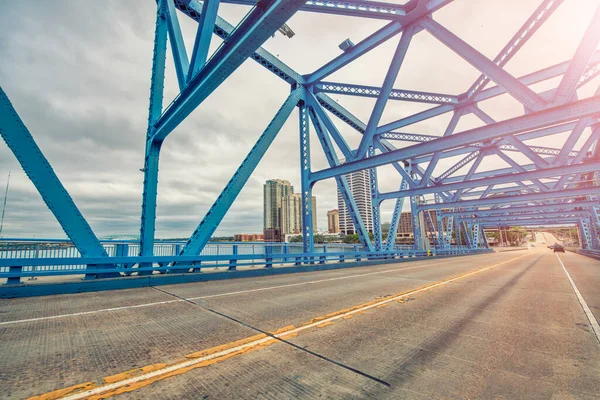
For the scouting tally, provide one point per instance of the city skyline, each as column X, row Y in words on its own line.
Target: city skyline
column 282, row 209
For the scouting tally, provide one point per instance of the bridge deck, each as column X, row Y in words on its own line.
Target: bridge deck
column 516, row 330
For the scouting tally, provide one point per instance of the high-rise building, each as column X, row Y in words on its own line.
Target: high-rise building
column 292, row 213
column 274, row 191
column 361, row 191
column 283, row 210
column 333, row 221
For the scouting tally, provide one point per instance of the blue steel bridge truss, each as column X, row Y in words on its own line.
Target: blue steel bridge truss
column 555, row 185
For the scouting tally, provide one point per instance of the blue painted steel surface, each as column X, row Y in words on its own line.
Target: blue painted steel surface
column 342, row 182
column 206, row 25
column 307, row 212
column 560, row 182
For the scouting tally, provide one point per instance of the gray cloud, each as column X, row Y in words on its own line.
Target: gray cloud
column 78, row 73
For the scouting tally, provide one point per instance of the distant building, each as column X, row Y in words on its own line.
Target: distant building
column 361, row 191
column 333, row 221
column 248, row 237
column 283, row 210
column 273, row 235
column 292, row 214
column 274, row 190
column 405, row 234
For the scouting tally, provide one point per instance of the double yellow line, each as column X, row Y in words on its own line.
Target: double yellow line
column 135, row 379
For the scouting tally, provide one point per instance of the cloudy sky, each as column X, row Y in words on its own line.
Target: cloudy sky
column 78, row 73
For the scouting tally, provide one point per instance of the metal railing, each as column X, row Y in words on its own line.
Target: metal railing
column 33, row 258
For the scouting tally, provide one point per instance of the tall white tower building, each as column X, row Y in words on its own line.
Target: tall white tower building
column 361, row 191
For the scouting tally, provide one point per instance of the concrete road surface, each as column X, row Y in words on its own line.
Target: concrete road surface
column 503, row 325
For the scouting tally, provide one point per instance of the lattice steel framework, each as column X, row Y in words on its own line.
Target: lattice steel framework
column 556, row 184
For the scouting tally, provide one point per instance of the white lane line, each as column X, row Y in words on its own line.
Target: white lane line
column 217, row 295
column 586, row 309
column 185, row 364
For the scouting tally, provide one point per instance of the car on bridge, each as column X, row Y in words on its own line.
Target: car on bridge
column 558, row 247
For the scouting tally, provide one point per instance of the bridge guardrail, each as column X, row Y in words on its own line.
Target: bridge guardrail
column 38, row 261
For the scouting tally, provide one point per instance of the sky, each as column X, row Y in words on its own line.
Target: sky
column 78, row 74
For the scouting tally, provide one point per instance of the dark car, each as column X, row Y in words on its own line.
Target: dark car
column 558, row 247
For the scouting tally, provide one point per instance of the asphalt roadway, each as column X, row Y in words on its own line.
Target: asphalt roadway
column 502, row 325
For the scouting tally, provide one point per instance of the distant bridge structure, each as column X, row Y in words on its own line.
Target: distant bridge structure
column 553, row 185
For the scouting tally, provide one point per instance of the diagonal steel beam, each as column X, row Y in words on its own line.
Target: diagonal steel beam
column 257, row 27
column 522, row 198
column 215, row 214
column 38, row 169
column 533, row 23
column 206, row 25
column 497, row 180
column 548, row 117
column 518, row 90
column 580, row 60
column 386, row 88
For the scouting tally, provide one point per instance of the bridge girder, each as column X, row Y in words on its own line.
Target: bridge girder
column 555, row 175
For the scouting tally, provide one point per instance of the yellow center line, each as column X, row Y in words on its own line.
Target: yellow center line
column 220, row 353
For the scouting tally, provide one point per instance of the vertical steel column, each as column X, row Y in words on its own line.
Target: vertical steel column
column 307, row 211
column 391, row 237
column 465, row 229
column 441, row 241
column 449, row 230
column 151, row 159
column 375, row 206
column 416, row 224
column 475, row 231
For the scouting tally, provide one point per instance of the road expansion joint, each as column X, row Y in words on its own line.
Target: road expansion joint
column 276, row 336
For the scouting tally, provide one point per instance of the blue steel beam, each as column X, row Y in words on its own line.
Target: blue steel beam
column 533, row 23
column 494, row 91
column 257, row 27
column 180, row 58
column 342, row 182
column 206, row 26
column 517, row 89
column 347, row 117
column 422, row 9
column 213, row 217
column 580, row 60
column 388, row 83
column 308, row 230
column 419, row 138
column 351, row 8
column 354, row 52
column 466, row 160
column 436, row 156
column 395, row 94
column 330, row 126
column 152, row 152
column 223, row 29
column 391, row 237
column 38, row 169
column 514, row 141
column 530, row 221
column 375, row 206
column 470, row 173
column 545, row 215
column 540, row 208
column 551, row 116
column 522, row 198
column 520, row 169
